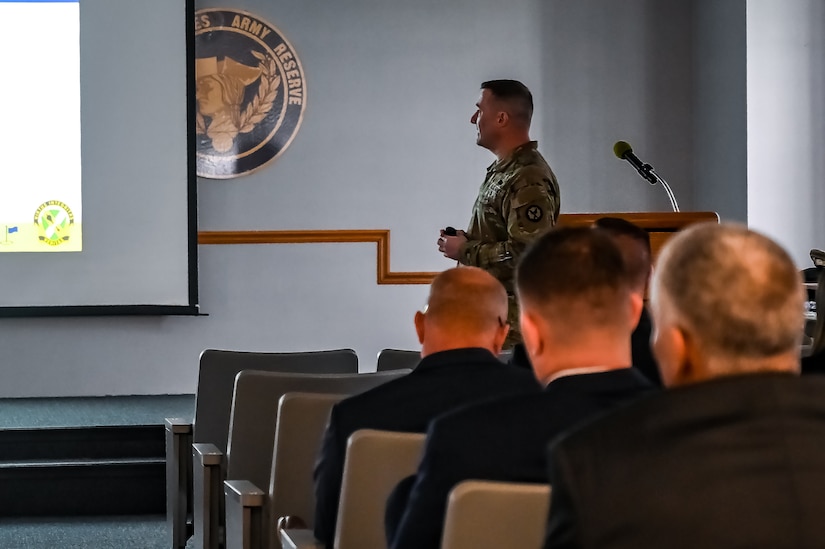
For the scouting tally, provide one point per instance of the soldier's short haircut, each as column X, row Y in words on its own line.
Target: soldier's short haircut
column 574, row 274
column 737, row 292
column 468, row 299
column 515, row 95
column 634, row 243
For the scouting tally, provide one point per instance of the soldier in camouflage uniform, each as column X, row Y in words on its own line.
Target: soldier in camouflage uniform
column 519, row 198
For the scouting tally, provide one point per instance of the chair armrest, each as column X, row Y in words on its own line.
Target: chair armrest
column 244, row 508
column 178, row 479
column 208, row 473
column 299, row 539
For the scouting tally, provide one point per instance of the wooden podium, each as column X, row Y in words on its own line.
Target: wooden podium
column 660, row 225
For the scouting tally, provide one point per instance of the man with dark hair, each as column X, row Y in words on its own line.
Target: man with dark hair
column 461, row 333
column 731, row 455
column 634, row 243
column 577, row 313
column 519, row 198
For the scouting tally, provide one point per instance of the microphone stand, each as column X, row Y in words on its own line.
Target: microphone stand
column 653, row 178
column 668, row 190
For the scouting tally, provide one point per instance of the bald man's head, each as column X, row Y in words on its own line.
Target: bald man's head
column 467, row 307
column 733, row 293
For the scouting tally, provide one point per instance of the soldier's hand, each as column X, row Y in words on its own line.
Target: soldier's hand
column 450, row 246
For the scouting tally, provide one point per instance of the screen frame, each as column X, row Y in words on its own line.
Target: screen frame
column 192, row 308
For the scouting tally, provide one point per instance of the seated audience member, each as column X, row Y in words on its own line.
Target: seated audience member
column 815, row 362
column 733, row 454
column 461, row 333
column 577, row 313
column 634, row 243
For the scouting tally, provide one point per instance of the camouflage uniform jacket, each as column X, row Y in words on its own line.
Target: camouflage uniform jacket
column 518, row 200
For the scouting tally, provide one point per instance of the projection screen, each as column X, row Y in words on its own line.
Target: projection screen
column 98, row 195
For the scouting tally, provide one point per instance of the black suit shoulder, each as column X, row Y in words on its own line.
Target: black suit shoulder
column 692, row 406
column 737, row 445
column 441, row 382
column 409, row 403
column 502, row 439
column 814, row 364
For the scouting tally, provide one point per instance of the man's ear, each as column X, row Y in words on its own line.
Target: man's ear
column 637, row 303
column 502, row 118
column 500, row 336
column 677, row 368
column 534, row 343
column 419, row 325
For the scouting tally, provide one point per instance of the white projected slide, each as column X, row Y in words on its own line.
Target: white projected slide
column 40, row 195
column 81, row 92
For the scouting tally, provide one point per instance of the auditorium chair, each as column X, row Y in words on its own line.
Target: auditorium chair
column 375, row 463
column 216, row 378
column 490, row 515
column 397, row 359
column 253, row 432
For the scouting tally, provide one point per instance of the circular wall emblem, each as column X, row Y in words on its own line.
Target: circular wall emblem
column 250, row 92
column 54, row 222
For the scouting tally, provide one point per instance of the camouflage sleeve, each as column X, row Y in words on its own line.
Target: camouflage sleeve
column 530, row 207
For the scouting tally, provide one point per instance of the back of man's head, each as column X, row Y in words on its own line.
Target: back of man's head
column 634, row 243
column 467, row 307
column 577, row 306
column 516, row 98
column 726, row 300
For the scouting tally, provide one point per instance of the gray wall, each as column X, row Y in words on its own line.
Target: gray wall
column 618, row 71
column 786, row 123
column 386, row 143
column 720, row 125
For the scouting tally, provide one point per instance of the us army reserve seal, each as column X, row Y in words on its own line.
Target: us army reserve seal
column 54, row 222
column 250, row 92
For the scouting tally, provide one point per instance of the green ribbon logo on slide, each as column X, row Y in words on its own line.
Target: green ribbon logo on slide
column 54, row 222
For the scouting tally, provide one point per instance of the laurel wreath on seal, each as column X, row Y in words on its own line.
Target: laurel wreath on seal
column 261, row 105
column 267, row 93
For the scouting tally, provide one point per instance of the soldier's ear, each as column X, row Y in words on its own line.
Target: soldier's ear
column 503, row 118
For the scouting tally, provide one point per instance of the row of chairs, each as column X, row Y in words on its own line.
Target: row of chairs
column 480, row 514
column 213, row 421
column 259, row 420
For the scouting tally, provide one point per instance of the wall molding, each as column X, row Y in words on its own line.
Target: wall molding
column 381, row 237
column 660, row 225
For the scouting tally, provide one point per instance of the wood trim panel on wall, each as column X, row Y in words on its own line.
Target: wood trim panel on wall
column 381, row 237
column 661, row 225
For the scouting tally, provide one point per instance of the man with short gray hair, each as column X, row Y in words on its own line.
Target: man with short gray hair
column 732, row 455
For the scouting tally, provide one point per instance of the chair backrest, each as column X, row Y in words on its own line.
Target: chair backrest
column 302, row 419
column 216, row 378
column 255, row 413
column 397, row 359
column 487, row 515
column 376, row 462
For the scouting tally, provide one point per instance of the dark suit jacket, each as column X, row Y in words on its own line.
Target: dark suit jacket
column 814, row 364
column 731, row 463
column 501, row 440
column 440, row 382
column 642, row 354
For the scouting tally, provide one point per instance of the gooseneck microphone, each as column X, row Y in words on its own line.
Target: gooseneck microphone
column 624, row 151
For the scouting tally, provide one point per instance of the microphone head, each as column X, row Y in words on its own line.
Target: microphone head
column 621, row 148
